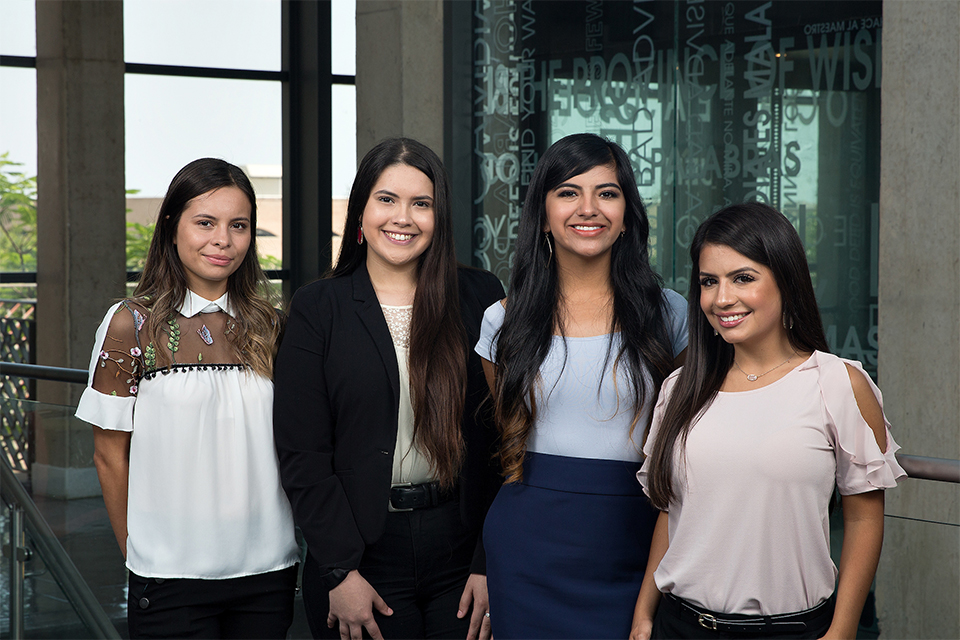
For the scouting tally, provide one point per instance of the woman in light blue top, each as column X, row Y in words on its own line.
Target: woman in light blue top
column 575, row 358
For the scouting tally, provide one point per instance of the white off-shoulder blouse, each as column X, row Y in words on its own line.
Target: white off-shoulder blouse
column 750, row 531
column 204, row 497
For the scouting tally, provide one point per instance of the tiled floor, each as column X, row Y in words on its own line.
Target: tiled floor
column 84, row 531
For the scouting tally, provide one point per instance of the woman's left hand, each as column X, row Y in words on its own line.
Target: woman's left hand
column 475, row 594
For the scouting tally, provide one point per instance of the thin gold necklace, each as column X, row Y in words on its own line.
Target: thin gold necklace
column 753, row 377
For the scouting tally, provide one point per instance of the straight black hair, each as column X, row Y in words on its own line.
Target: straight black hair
column 533, row 313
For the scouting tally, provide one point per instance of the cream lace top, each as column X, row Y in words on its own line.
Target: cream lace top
column 409, row 465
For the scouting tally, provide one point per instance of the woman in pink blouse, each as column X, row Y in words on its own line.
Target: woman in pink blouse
column 749, row 440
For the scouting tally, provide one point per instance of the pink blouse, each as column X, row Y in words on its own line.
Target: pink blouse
column 750, row 532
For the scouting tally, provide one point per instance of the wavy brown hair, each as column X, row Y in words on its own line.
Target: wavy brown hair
column 438, row 342
column 163, row 285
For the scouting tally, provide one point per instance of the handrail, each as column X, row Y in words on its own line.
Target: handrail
column 917, row 467
column 40, row 372
column 62, row 568
column 922, row 467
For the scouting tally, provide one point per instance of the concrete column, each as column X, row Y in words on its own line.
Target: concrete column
column 81, row 215
column 918, row 583
column 400, row 72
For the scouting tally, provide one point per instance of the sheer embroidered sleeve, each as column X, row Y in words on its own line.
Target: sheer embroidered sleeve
column 115, row 369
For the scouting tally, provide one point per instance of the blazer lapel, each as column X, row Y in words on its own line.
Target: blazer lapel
column 371, row 316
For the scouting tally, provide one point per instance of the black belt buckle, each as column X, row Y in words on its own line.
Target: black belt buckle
column 407, row 497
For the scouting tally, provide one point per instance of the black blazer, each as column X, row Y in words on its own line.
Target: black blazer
column 337, row 396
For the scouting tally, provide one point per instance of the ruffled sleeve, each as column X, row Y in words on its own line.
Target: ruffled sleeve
column 110, row 396
column 658, row 411
column 489, row 328
column 861, row 466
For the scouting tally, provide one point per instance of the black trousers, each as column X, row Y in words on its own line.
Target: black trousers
column 419, row 567
column 258, row 606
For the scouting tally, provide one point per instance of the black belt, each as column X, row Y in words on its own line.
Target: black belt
column 407, row 497
column 735, row 623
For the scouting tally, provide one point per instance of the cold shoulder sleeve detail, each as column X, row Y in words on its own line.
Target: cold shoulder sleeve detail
column 861, row 466
column 115, row 364
column 489, row 328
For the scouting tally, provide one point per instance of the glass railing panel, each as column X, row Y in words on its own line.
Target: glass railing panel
column 57, row 451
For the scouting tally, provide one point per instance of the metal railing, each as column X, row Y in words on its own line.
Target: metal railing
column 924, row 468
column 25, row 516
column 917, row 467
column 40, row 372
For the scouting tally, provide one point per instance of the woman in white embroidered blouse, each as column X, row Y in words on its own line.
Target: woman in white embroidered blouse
column 180, row 394
column 749, row 440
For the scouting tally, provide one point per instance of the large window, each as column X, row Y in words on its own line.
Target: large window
column 715, row 102
column 18, row 173
column 203, row 78
column 194, row 91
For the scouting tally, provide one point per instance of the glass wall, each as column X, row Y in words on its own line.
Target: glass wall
column 715, row 103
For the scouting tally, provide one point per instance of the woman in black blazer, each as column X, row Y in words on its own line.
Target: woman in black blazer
column 382, row 420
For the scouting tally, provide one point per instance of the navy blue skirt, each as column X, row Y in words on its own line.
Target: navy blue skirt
column 567, row 549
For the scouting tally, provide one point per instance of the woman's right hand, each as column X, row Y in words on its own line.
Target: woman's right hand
column 352, row 603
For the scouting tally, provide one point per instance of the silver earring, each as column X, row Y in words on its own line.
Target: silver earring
column 715, row 332
column 546, row 236
column 787, row 321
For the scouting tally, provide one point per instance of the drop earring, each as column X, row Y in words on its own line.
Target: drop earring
column 359, row 235
column 546, row 237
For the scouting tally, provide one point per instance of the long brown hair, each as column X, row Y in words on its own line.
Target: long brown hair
column 163, row 285
column 438, row 362
column 764, row 235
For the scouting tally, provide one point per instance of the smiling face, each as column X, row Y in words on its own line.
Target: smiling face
column 585, row 213
column 398, row 219
column 740, row 297
column 212, row 239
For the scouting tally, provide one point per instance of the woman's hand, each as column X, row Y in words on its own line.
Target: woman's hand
column 352, row 603
column 475, row 593
column 649, row 597
column 642, row 628
column 862, row 540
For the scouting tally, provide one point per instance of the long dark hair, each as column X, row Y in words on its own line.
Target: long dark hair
column 764, row 235
column 163, row 285
column 438, row 365
column 533, row 313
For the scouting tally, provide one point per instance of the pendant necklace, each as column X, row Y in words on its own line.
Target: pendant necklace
column 753, row 377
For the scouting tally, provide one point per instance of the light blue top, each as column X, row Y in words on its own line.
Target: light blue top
column 578, row 411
